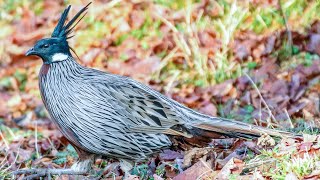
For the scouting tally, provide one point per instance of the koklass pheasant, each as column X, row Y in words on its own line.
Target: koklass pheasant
column 115, row 116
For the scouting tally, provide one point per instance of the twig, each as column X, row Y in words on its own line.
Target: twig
column 259, row 163
column 36, row 140
column 260, row 112
column 4, row 140
column 262, row 99
column 271, row 124
column 289, row 119
column 289, row 34
column 43, row 172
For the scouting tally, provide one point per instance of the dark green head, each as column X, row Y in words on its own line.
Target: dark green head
column 49, row 48
column 56, row 48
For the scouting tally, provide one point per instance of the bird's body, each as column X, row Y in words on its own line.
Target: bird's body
column 86, row 106
column 118, row 117
column 115, row 116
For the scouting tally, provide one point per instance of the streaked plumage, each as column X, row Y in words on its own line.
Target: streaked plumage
column 118, row 117
column 115, row 116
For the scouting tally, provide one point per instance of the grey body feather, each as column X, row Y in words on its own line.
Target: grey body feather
column 116, row 116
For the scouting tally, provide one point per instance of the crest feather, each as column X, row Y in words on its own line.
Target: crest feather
column 62, row 30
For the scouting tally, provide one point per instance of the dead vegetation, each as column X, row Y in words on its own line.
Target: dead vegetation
column 249, row 60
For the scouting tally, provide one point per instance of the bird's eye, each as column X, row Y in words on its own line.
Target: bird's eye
column 46, row 45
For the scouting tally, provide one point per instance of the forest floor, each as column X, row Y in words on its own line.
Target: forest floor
column 251, row 61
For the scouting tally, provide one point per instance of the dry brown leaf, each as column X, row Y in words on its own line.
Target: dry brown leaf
column 233, row 165
column 194, row 153
column 200, row 170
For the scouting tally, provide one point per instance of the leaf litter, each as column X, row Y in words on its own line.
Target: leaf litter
column 153, row 42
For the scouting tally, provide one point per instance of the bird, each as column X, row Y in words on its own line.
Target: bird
column 114, row 116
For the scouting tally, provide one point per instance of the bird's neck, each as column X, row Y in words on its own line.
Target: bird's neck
column 67, row 66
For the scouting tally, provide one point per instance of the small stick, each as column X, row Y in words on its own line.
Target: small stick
column 289, row 34
column 36, row 140
column 262, row 99
column 51, row 171
column 4, row 140
column 43, row 172
column 289, row 119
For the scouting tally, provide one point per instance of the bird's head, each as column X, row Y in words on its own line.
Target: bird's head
column 56, row 48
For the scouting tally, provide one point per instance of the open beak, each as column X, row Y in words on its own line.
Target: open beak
column 31, row 52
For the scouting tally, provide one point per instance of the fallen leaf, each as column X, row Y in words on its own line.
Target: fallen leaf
column 232, row 165
column 200, row 170
column 170, row 155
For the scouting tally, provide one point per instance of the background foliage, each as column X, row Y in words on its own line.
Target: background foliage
column 253, row 61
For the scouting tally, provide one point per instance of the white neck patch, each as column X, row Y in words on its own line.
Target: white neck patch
column 59, row 57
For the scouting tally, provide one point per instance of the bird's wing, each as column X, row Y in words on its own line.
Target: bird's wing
column 148, row 111
column 144, row 109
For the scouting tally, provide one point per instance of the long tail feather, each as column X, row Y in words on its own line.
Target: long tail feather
column 232, row 127
column 236, row 128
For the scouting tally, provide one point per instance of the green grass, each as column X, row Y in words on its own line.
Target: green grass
column 286, row 164
column 63, row 156
column 230, row 18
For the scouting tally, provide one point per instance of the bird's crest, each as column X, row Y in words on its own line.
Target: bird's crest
column 63, row 30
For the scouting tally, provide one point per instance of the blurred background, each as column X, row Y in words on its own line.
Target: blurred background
column 255, row 61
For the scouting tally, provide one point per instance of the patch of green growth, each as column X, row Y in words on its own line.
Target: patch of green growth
column 251, row 65
column 249, row 154
column 94, row 29
column 199, row 83
column 12, row 134
column 149, row 28
column 264, row 18
column 303, row 58
column 120, row 39
column 180, row 27
column 62, row 157
column 295, row 50
column 305, row 128
column 300, row 167
column 162, row 54
column 249, row 108
column 222, row 113
column 285, row 51
column 123, row 57
column 309, row 58
column 34, row 156
column 11, row 6
column 196, row 67
column 145, row 45
column 160, row 171
column 277, row 167
column 234, row 177
column 177, row 4
column 269, row 18
column 103, row 164
column 5, row 171
column 226, row 27
column 22, row 79
column 5, row 82
column 247, row 117
column 141, row 171
column 4, row 31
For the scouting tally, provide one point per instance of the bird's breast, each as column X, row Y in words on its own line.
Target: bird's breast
column 44, row 69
